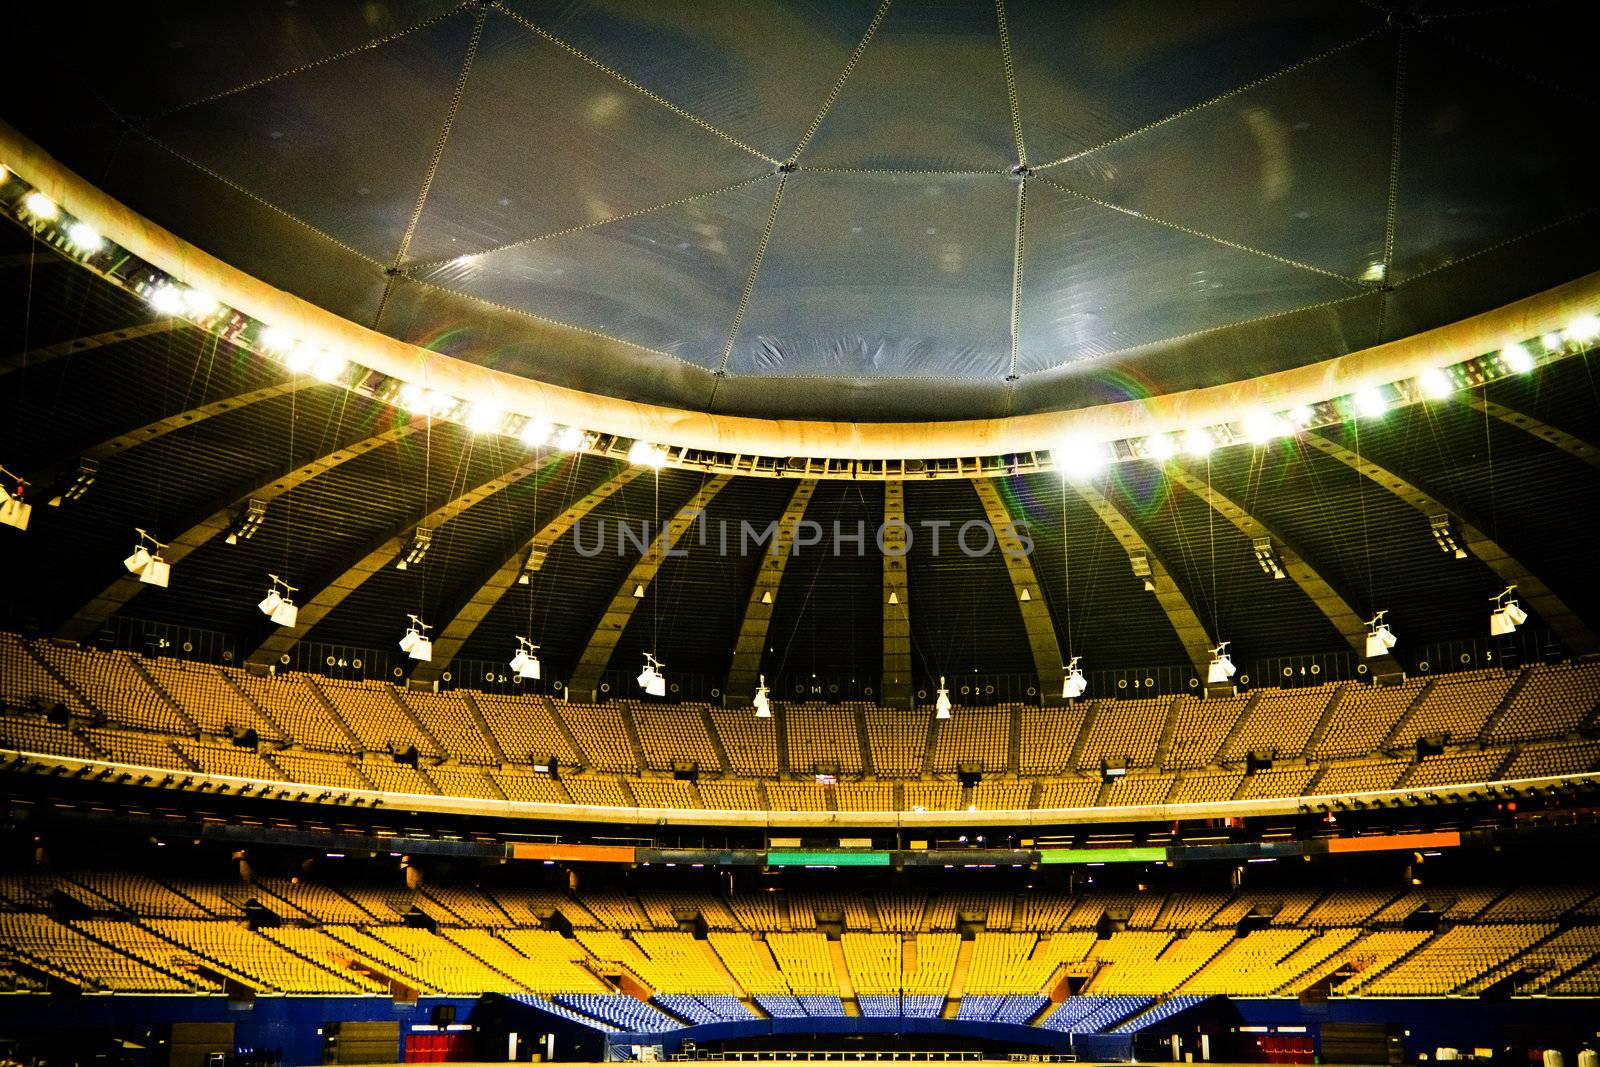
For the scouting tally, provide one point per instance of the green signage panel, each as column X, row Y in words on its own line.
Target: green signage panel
column 828, row 859
column 1102, row 855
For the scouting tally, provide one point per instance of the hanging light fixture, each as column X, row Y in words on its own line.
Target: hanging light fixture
column 416, row 642
column 277, row 604
column 650, row 679
column 763, row 705
column 941, row 703
column 1221, row 668
column 1074, row 684
column 1380, row 639
column 1507, row 614
column 146, row 561
column 524, row 662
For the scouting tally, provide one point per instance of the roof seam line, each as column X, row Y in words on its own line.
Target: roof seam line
column 1011, row 86
column 1016, row 274
column 1396, row 129
column 582, row 227
column 1486, row 249
column 1495, row 61
column 838, row 83
column 480, row 16
column 1192, row 232
column 364, row 46
column 983, row 172
column 750, row 280
column 1219, row 98
column 257, row 198
column 616, row 75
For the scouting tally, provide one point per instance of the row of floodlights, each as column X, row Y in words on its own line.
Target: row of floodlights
column 1075, row 458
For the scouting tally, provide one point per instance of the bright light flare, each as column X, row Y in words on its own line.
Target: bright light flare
column 1079, row 458
column 330, row 368
column 484, row 418
column 301, row 358
column 1198, row 442
column 646, row 454
column 84, row 238
column 167, row 299
column 1436, row 384
column 1370, row 403
column 277, row 339
column 1261, row 427
column 1161, row 446
column 1517, row 358
column 40, row 206
column 1584, row 329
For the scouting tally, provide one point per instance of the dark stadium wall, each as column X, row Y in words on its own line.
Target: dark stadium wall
column 993, row 1035
column 291, row 1024
column 1429, row 1024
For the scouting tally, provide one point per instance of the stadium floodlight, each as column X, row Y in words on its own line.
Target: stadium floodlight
column 421, row 540
column 571, row 439
column 1261, row 427
column 40, row 206
column 651, row 679
column 941, row 703
column 277, row 605
column 1221, row 668
column 146, row 561
column 524, row 662
column 762, row 702
column 1078, row 459
column 1380, row 639
column 1517, row 359
column 1267, row 557
column 1584, row 329
column 1141, row 570
column 1160, row 447
column 1507, row 614
column 1074, row 684
column 536, row 432
column 645, row 454
column 247, row 522
column 416, row 642
column 1444, row 536
column 1436, row 383
column 84, row 238
column 1370, row 402
column 1198, row 442
column 14, row 511
column 484, row 418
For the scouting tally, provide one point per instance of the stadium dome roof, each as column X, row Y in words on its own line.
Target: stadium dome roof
column 782, row 213
column 847, row 211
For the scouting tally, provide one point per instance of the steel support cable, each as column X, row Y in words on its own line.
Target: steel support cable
column 333, row 57
column 458, row 91
column 1392, row 198
column 749, row 288
column 1229, row 94
column 1203, row 235
column 838, row 83
column 622, row 79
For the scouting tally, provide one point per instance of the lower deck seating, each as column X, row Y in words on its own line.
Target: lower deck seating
column 137, row 933
column 1090, row 1014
